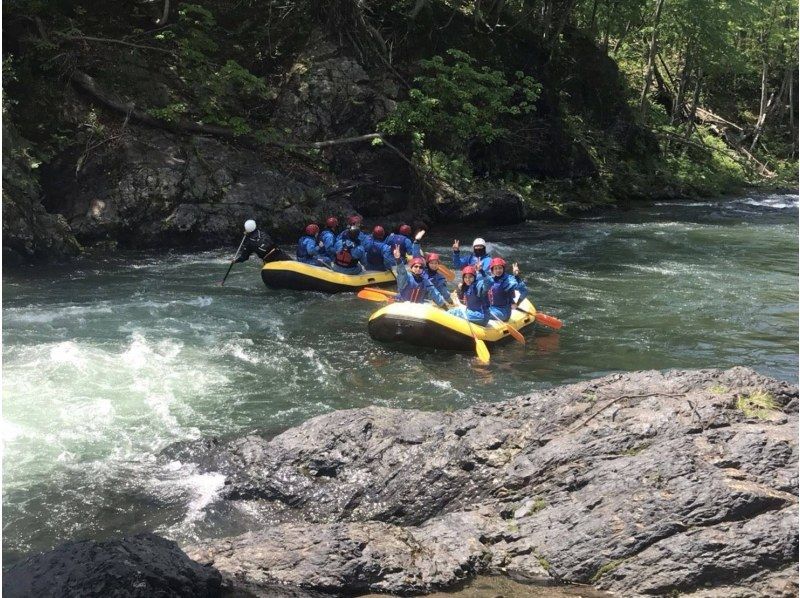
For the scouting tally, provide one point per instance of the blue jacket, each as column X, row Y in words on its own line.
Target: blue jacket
column 437, row 278
column 476, row 303
column 347, row 257
column 500, row 293
column 406, row 246
column 328, row 238
column 480, row 263
column 416, row 290
column 308, row 250
column 378, row 255
column 362, row 236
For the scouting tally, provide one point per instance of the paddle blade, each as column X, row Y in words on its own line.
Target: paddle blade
column 447, row 272
column 549, row 321
column 386, row 292
column 482, row 351
column 373, row 296
column 515, row 333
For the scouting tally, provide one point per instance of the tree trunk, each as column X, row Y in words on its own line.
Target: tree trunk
column 651, row 58
column 792, row 127
column 695, row 101
column 677, row 106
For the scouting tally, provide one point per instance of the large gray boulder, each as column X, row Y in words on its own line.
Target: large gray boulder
column 141, row 566
column 643, row 483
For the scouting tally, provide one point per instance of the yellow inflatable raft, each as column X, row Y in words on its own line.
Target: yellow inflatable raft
column 289, row 274
column 426, row 325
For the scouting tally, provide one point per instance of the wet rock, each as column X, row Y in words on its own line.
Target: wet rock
column 143, row 566
column 152, row 188
column 638, row 483
column 30, row 233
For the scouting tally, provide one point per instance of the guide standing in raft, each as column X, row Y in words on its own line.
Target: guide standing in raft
column 254, row 241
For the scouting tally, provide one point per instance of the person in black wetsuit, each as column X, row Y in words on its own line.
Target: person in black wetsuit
column 260, row 243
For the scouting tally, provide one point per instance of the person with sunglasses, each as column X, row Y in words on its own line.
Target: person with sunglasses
column 432, row 261
column 414, row 287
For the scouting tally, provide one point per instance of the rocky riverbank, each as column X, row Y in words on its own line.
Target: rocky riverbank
column 644, row 483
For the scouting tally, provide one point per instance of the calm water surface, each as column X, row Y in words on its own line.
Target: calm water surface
column 107, row 362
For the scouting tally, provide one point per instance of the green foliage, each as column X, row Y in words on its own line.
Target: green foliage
column 758, row 405
column 218, row 90
column 605, row 569
column 455, row 101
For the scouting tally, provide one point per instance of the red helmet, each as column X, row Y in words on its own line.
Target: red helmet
column 332, row 222
column 468, row 270
column 312, row 230
column 497, row 261
column 404, row 230
column 354, row 220
column 416, row 261
column 433, row 257
column 378, row 233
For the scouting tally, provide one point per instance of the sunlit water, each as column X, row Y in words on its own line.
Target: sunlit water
column 105, row 363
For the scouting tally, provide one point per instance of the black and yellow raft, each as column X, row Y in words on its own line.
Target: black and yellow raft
column 426, row 325
column 289, row 274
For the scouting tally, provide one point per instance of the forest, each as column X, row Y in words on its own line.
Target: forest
column 418, row 107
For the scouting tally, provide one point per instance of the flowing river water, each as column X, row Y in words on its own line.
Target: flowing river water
column 108, row 361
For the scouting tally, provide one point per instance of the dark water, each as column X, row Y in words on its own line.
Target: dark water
column 107, row 362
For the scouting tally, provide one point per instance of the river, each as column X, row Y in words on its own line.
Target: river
column 108, row 361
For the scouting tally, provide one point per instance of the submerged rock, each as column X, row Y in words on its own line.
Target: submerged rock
column 641, row 483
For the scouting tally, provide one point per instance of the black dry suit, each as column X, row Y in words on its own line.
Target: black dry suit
column 260, row 243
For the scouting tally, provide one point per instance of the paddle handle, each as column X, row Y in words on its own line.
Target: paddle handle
column 233, row 261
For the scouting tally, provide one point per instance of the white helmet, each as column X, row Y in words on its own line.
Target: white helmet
column 479, row 241
column 249, row 226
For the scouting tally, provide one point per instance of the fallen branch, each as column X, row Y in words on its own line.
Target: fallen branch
column 87, row 38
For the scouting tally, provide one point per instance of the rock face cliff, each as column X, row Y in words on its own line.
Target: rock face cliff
column 113, row 174
column 640, row 484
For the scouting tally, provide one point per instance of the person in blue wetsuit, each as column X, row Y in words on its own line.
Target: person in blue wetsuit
column 349, row 253
column 478, row 258
column 402, row 238
column 377, row 254
column 432, row 261
column 500, row 288
column 414, row 287
column 310, row 248
column 472, row 295
column 328, row 236
column 354, row 221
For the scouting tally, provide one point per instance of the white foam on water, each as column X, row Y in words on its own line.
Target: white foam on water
column 34, row 314
column 779, row 202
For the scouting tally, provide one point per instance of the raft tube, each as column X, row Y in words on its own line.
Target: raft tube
column 289, row 274
column 425, row 325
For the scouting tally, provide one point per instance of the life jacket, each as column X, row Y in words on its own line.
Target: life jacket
column 328, row 238
column 498, row 296
column 344, row 258
column 471, row 298
column 302, row 251
column 414, row 291
column 375, row 251
column 398, row 239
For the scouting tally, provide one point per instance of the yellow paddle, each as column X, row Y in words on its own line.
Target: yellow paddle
column 481, row 350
